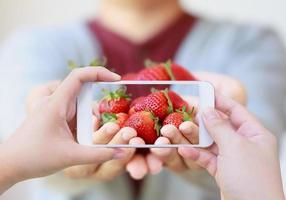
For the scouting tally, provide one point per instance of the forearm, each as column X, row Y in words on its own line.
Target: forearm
column 8, row 171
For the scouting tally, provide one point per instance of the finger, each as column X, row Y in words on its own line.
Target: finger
column 190, row 131
column 173, row 134
column 162, row 153
column 124, row 136
column 80, row 155
column 176, row 137
column 71, row 86
column 201, row 157
column 169, row 156
column 106, row 133
column 80, row 171
column 39, row 92
column 96, row 123
column 220, row 129
column 114, row 168
column 137, row 167
column 155, row 165
column 236, row 112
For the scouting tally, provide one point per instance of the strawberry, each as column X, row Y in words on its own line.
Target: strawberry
column 145, row 124
column 129, row 77
column 133, row 103
column 157, row 102
column 115, row 102
column 164, row 71
column 178, row 117
column 181, row 74
column 177, row 101
column 119, row 118
column 154, row 73
column 137, row 100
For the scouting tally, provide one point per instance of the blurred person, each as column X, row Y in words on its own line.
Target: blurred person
column 127, row 32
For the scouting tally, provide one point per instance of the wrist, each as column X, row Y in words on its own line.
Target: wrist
column 9, row 175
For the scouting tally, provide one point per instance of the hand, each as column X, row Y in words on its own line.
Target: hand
column 226, row 85
column 244, row 161
column 45, row 143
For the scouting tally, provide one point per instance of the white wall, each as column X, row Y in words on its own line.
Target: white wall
column 19, row 13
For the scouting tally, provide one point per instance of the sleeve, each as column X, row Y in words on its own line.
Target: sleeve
column 27, row 58
column 259, row 62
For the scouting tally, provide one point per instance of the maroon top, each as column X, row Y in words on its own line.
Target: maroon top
column 123, row 56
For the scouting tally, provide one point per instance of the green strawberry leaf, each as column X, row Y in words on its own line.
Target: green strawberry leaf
column 98, row 62
column 94, row 63
column 116, row 95
column 72, row 65
column 108, row 117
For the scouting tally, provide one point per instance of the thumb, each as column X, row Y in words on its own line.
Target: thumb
column 92, row 155
column 219, row 128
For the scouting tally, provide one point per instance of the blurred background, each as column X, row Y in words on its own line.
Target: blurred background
column 15, row 14
column 18, row 14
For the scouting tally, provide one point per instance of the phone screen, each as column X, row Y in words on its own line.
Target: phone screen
column 152, row 109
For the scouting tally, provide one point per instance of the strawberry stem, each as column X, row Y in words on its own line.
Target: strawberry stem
column 157, row 125
column 170, row 104
column 168, row 68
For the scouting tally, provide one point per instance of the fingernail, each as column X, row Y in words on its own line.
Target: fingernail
column 116, row 76
column 112, row 128
column 210, row 114
column 128, row 134
column 118, row 154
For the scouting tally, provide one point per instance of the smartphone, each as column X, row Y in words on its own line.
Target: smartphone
column 92, row 102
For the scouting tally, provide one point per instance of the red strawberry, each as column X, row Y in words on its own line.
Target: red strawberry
column 153, row 73
column 164, row 71
column 178, row 117
column 178, row 102
column 119, row 118
column 133, row 103
column 158, row 103
column 145, row 124
column 115, row 102
column 129, row 77
column 137, row 100
column 181, row 74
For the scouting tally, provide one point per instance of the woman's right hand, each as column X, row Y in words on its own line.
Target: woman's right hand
column 110, row 133
column 244, row 159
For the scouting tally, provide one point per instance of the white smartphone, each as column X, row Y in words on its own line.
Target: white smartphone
column 197, row 94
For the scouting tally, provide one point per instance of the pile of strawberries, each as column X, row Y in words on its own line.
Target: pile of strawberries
column 145, row 114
